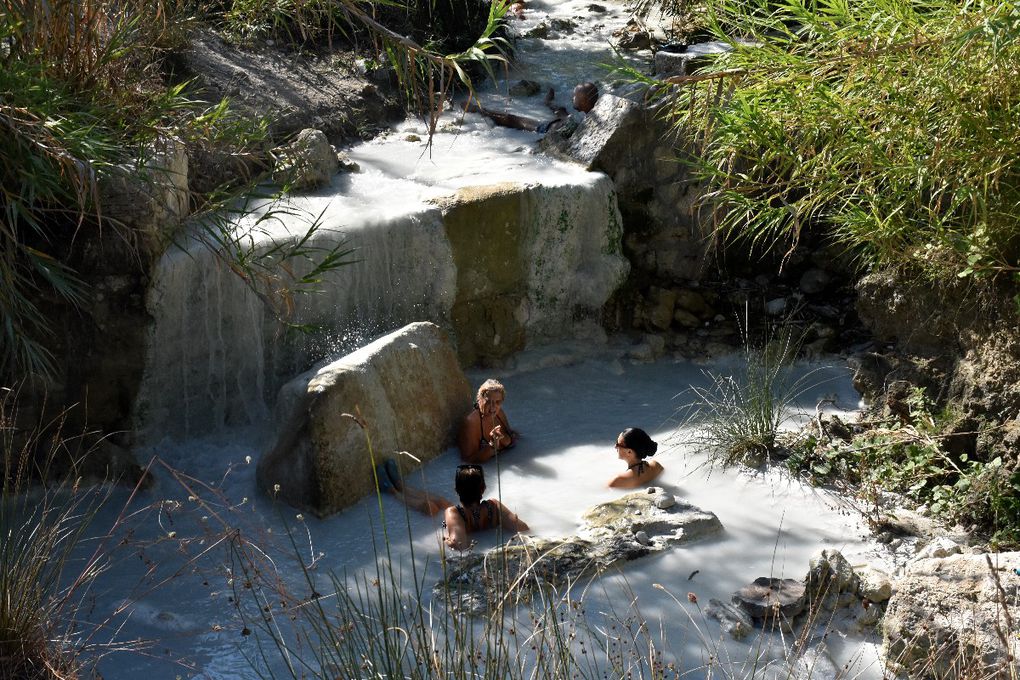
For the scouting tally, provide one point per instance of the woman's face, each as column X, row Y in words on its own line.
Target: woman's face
column 491, row 402
column 623, row 452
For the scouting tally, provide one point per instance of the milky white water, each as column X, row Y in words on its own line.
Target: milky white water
column 569, row 417
column 216, row 362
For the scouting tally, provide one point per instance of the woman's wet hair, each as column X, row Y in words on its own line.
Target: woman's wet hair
column 637, row 440
column 490, row 385
column 470, row 484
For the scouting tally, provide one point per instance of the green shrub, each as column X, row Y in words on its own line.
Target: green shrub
column 906, row 454
column 888, row 123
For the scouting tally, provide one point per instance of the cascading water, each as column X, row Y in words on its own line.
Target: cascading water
column 540, row 235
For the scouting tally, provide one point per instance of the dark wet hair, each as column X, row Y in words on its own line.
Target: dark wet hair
column 470, row 483
column 588, row 94
column 636, row 439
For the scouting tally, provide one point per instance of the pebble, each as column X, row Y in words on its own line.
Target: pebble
column 664, row 500
column 642, row 538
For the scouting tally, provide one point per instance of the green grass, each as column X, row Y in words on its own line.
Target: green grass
column 739, row 415
column 889, row 124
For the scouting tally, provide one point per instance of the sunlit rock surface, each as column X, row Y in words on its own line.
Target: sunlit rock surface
column 475, row 582
column 946, row 616
column 408, row 392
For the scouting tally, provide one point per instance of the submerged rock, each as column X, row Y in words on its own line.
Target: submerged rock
column 307, row 163
column 767, row 598
column 732, row 619
column 621, row 530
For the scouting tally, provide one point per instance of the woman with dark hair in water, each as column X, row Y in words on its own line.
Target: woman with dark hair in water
column 473, row 513
column 634, row 446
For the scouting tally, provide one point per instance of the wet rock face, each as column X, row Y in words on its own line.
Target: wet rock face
column 320, row 460
column 518, row 251
column 657, row 193
column 945, row 616
column 621, row 530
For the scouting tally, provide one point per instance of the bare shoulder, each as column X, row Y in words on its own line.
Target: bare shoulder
column 651, row 471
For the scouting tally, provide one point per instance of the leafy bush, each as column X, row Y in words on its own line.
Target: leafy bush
column 888, row 123
column 906, row 454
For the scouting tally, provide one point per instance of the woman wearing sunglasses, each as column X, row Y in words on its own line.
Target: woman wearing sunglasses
column 634, row 446
column 473, row 513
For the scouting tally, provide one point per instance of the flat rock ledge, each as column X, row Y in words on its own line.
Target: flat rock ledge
column 627, row 528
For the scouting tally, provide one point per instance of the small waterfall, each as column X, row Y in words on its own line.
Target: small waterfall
column 425, row 233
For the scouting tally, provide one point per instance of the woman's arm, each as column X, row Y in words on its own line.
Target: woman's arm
column 508, row 520
column 456, row 531
column 469, row 441
column 509, row 435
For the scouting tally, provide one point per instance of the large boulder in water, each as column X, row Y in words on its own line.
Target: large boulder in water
column 950, row 617
column 408, row 393
column 618, row 531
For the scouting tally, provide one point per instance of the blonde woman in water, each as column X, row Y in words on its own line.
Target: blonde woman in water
column 485, row 430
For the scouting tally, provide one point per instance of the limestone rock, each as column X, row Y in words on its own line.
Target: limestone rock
column 775, row 307
column 518, row 251
column 150, row 198
column 947, row 609
column 814, row 281
column 321, row 460
column 732, row 619
column 659, row 307
column 694, row 303
column 875, row 586
column 307, row 163
column 656, row 189
column 830, row 574
column 618, row 531
column 346, row 164
column 670, row 63
column 679, row 523
column 766, row 598
column 941, row 546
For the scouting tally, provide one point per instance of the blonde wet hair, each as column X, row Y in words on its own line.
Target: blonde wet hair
column 490, row 385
